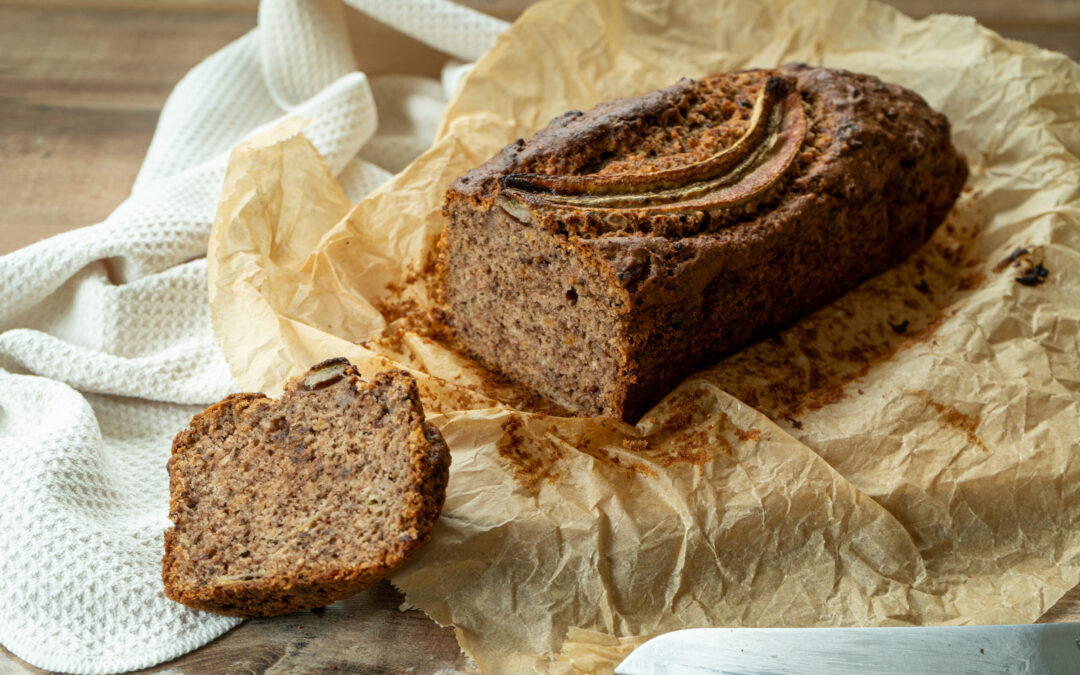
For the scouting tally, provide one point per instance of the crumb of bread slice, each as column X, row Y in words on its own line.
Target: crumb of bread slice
column 288, row 504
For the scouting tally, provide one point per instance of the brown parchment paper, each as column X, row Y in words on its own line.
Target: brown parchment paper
column 903, row 456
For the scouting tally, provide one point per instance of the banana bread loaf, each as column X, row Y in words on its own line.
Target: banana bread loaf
column 620, row 249
column 296, row 503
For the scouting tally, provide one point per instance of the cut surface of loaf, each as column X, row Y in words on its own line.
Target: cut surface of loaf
column 282, row 505
column 623, row 248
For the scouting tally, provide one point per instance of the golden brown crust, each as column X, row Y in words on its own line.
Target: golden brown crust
column 247, row 581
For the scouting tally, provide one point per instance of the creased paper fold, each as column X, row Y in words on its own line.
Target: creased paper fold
column 903, row 456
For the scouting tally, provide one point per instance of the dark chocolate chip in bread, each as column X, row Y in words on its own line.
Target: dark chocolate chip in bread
column 282, row 505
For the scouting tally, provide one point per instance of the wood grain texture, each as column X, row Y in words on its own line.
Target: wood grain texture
column 81, row 85
column 80, row 94
column 365, row 634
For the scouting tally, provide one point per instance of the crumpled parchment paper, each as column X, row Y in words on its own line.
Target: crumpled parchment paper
column 903, row 456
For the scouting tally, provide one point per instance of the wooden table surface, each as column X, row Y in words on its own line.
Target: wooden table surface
column 81, row 85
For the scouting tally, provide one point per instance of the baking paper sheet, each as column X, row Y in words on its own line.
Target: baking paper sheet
column 903, row 456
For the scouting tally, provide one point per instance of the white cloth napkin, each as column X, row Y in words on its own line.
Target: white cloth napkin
column 106, row 348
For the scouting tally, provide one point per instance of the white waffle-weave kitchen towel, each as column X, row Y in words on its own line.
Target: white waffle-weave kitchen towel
column 106, row 348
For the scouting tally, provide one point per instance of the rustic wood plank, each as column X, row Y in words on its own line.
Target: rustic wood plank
column 80, row 93
column 366, row 633
column 97, row 173
column 217, row 6
column 81, row 85
column 1064, row 38
column 1051, row 24
column 987, row 11
column 1002, row 12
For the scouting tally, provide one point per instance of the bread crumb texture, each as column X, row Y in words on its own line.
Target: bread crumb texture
column 288, row 504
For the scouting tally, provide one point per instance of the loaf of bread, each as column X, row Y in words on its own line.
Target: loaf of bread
column 620, row 249
column 296, row 503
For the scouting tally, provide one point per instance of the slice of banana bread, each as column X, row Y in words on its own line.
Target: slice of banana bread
column 621, row 249
column 281, row 505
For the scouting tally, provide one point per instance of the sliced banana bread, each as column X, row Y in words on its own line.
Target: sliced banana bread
column 620, row 249
column 281, row 505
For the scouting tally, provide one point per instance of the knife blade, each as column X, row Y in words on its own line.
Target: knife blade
column 1051, row 649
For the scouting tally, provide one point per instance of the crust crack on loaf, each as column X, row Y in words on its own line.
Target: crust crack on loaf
column 621, row 249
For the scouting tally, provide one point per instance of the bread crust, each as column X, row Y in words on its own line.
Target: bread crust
column 875, row 175
column 308, row 585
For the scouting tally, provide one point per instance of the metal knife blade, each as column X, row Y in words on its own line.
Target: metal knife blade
column 1051, row 649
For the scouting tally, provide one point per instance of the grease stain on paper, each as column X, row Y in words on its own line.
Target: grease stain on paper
column 955, row 419
column 533, row 459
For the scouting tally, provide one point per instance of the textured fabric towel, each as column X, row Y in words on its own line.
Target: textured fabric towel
column 106, row 348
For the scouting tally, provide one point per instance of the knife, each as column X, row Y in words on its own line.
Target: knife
column 1051, row 649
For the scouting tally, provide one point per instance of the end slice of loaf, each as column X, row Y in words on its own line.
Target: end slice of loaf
column 282, row 505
